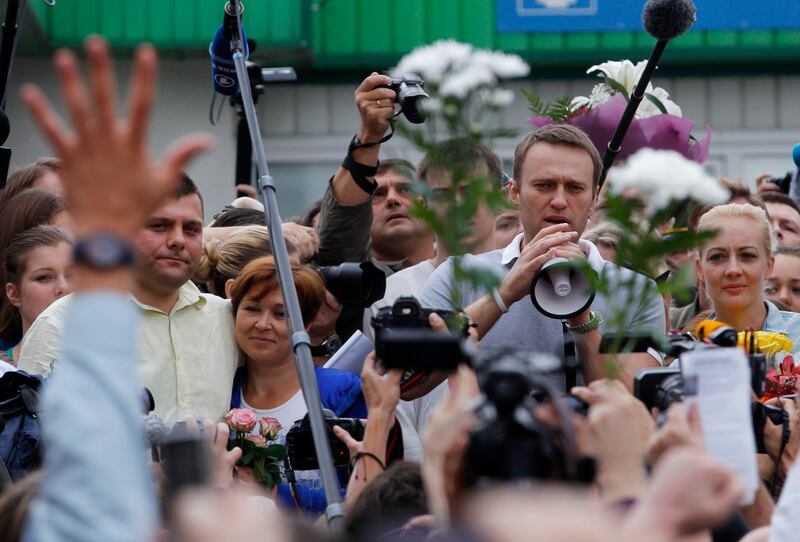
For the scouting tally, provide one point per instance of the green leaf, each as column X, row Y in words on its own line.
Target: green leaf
column 617, row 86
column 259, row 471
column 247, row 458
column 275, row 451
column 656, row 102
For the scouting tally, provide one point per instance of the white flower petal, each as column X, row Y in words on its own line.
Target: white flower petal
column 664, row 176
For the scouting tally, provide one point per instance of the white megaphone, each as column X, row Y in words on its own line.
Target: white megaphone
column 561, row 290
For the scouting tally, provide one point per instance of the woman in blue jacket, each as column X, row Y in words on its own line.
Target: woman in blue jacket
column 268, row 382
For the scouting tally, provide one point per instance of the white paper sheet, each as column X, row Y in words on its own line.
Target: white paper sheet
column 718, row 380
column 350, row 357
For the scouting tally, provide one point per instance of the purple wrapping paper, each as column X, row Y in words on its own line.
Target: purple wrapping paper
column 665, row 132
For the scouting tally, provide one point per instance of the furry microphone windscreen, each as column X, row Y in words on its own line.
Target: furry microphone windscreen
column 668, row 19
column 154, row 429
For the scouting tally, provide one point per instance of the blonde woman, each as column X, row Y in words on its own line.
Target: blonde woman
column 734, row 266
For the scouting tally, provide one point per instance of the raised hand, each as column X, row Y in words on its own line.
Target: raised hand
column 111, row 183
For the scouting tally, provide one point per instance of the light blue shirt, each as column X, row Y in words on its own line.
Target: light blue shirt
column 784, row 322
column 97, row 485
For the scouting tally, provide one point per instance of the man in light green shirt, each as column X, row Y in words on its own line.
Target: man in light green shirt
column 188, row 354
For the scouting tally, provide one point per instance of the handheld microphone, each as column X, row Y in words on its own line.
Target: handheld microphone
column 796, row 155
column 223, row 69
column 717, row 332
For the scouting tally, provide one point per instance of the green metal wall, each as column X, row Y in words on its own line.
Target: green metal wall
column 340, row 35
column 170, row 24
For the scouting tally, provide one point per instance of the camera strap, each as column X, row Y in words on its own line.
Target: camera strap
column 570, row 360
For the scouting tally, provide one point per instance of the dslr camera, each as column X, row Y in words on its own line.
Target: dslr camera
column 410, row 96
column 354, row 284
column 508, row 443
column 300, row 452
column 404, row 338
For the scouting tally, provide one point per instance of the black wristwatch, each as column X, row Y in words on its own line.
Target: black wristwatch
column 103, row 251
column 328, row 347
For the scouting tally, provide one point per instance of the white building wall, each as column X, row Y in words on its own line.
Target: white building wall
column 756, row 122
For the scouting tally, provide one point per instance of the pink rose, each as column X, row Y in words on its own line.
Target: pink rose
column 241, row 420
column 270, row 428
column 258, row 440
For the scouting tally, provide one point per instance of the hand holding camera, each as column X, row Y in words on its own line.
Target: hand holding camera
column 782, row 448
column 375, row 102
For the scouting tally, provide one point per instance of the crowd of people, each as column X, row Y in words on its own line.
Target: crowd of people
column 116, row 281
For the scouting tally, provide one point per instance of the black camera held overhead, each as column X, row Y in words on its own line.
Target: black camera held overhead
column 508, row 443
column 354, row 284
column 410, row 96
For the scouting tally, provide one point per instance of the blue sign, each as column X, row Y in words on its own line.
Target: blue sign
column 610, row 15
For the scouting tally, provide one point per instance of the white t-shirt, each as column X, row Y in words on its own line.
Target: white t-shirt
column 289, row 412
column 412, row 415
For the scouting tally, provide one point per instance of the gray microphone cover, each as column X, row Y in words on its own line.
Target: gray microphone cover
column 154, row 429
column 668, row 19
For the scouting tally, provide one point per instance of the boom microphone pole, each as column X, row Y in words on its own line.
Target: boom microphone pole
column 664, row 20
column 301, row 344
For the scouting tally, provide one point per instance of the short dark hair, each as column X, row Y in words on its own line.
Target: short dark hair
column 186, row 187
column 461, row 152
column 387, row 502
column 404, row 168
column 780, row 197
column 239, row 216
column 558, row 134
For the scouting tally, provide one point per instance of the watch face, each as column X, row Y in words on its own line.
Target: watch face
column 103, row 252
column 332, row 344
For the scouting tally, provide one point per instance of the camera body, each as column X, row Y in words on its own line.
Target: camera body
column 508, row 442
column 410, row 95
column 300, row 452
column 404, row 338
column 664, row 386
column 784, row 183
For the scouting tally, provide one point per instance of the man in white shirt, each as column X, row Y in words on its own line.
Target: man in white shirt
column 187, row 350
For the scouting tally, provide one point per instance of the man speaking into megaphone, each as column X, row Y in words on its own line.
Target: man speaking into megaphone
column 556, row 177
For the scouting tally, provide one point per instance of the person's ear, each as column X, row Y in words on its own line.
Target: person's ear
column 770, row 265
column 228, row 288
column 513, row 191
column 698, row 269
column 12, row 294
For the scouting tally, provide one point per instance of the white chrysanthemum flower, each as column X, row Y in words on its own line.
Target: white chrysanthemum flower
column 664, row 176
column 498, row 97
column 503, row 65
column 433, row 61
column 432, row 105
column 466, row 80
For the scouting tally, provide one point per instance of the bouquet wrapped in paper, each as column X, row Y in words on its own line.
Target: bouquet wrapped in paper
column 658, row 123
